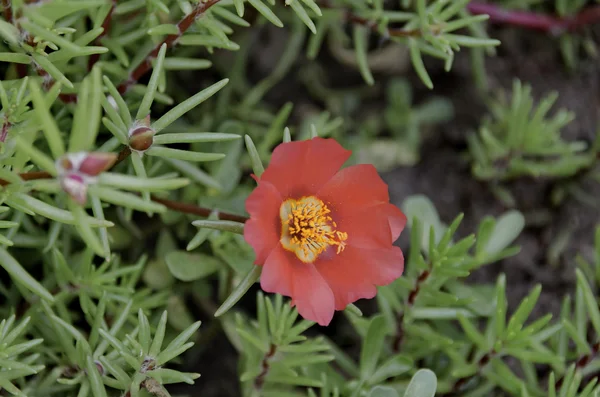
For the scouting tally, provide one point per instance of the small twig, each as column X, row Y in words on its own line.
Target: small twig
column 192, row 209
column 412, row 296
column 532, row 20
column 7, row 10
column 122, row 156
column 260, row 379
column 481, row 363
column 48, row 83
column 183, row 25
column 105, row 26
column 582, row 361
column 4, row 130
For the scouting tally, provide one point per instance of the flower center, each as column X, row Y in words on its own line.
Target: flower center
column 307, row 229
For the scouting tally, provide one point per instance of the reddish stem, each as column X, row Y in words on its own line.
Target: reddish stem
column 183, row 25
column 7, row 10
column 105, row 26
column 532, row 20
column 4, row 131
column 265, row 365
column 49, row 83
column 412, row 296
column 192, row 209
column 582, row 361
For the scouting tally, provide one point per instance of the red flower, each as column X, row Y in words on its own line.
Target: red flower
column 323, row 235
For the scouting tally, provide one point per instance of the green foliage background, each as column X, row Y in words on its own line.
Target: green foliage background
column 102, row 299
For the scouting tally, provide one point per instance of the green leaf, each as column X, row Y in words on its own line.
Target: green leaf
column 20, row 275
column 362, row 58
column 372, row 346
column 159, row 336
column 85, row 230
column 417, row 62
column 294, row 380
column 14, row 57
column 174, row 63
column 186, row 266
column 590, row 300
column 240, row 290
column 239, row 7
column 257, row 165
column 127, row 182
column 121, row 104
column 192, row 137
column 422, row 384
column 126, row 200
column 226, row 226
column 143, row 331
column 187, row 105
column 184, row 155
column 51, row 212
column 394, row 366
column 178, row 345
column 472, row 333
column 440, row 313
column 38, row 157
column 9, row 32
column 97, row 386
column 46, row 121
column 523, row 311
column 303, row 15
column 52, row 70
column 382, row 391
column 86, row 121
column 144, row 109
column 422, row 208
column 507, row 229
column 266, row 12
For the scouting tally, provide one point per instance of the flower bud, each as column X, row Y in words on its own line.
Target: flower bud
column 75, row 186
column 78, row 170
column 141, row 138
column 97, row 162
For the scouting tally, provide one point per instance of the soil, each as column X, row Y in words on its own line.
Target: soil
column 445, row 177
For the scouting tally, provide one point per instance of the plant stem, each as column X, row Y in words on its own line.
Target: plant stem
column 481, row 363
column 177, row 206
column 260, row 379
column 183, row 25
column 7, row 10
column 582, row 361
column 412, row 296
column 537, row 21
column 192, row 209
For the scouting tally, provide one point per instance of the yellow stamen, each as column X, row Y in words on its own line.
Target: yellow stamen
column 307, row 228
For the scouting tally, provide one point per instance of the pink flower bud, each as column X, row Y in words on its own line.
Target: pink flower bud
column 97, row 162
column 75, row 186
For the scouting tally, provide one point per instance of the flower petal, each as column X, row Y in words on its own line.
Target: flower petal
column 348, row 277
column 284, row 274
column 372, row 227
column 355, row 273
column 302, row 167
column 312, row 295
column 385, row 264
column 354, row 188
column 278, row 271
column 263, row 230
